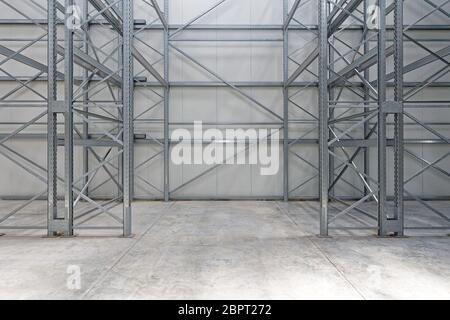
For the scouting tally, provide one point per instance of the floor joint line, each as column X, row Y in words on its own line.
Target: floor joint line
column 132, row 246
column 322, row 252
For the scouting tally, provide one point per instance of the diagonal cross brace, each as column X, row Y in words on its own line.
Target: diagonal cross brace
column 25, row 60
column 114, row 19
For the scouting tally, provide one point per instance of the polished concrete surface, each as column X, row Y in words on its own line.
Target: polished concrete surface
column 223, row 250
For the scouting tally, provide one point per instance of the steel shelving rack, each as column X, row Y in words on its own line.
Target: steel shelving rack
column 365, row 105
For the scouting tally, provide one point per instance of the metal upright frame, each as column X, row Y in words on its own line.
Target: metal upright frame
column 383, row 111
column 111, row 118
column 342, row 119
column 429, row 72
column 367, row 101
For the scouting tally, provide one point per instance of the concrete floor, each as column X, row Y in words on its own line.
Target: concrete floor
column 223, row 250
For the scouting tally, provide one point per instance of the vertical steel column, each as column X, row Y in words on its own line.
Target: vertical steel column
column 398, row 119
column 285, row 101
column 323, row 117
column 120, row 159
column 366, row 46
column 390, row 223
column 331, row 113
column 68, row 119
column 127, row 95
column 85, row 131
column 52, row 196
column 382, row 181
column 166, row 106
